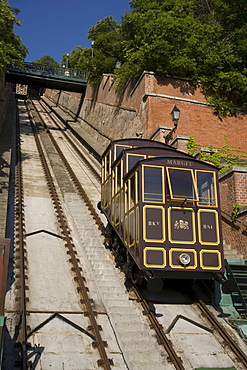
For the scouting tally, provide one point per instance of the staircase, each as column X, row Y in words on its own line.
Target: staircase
column 237, row 270
column 230, row 253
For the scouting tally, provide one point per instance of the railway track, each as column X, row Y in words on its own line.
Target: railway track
column 132, row 332
column 85, row 299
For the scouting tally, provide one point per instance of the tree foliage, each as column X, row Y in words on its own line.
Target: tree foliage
column 11, row 48
column 105, row 51
column 202, row 40
column 46, row 60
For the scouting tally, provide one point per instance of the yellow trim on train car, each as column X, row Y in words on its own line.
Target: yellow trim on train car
column 195, row 198
column 115, row 202
column 137, row 220
column 162, row 183
column 133, row 155
column 193, row 226
column 106, row 189
column 210, row 267
column 162, row 225
column 216, row 227
column 182, row 250
column 215, row 188
column 154, row 249
column 132, row 244
column 119, row 145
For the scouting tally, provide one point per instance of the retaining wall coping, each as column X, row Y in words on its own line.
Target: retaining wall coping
column 232, row 170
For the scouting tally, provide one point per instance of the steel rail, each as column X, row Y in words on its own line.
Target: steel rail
column 20, row 235
column 81, row 155
column 162, row 337
column 77, row 183
column 222, row 331
column 82, row 289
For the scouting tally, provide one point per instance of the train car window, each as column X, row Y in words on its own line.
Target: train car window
column 117, row 210
column 122, row 205
column 181, row 183
column 137, row 225
column 107, row 165
column 153, row 182
column 206, row 186
column 119, row 148
column 137, row 186
column 113, row 176
column 118, row 178
column 132, row 228
column 103, row 171
column 132, row 159
column 125, row 198
column 132, row 192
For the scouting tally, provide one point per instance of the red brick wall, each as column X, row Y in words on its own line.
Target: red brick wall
column 147, row 103
column 233, row 190
column 151, row 101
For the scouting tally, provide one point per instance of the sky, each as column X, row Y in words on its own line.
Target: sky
column 56, row 27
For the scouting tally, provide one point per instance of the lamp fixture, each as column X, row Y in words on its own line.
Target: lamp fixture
column 175, row 113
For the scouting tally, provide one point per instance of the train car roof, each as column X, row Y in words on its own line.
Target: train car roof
column 154, row 151
column 184, row 162
column 137, row 143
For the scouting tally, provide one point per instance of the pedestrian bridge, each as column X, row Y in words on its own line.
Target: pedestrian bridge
column 47, row 77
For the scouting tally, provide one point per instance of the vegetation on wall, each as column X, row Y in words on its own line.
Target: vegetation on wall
column 11, row 48
column 223, row 157
column 202, row 40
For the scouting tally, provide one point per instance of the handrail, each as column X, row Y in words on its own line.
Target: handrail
column 237, row 220
column 49, row 70
column 229, row 271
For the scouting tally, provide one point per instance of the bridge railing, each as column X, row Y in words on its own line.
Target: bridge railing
column 49, row 71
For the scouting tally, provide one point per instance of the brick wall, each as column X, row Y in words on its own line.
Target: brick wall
column 233, row 190
column 147, row 103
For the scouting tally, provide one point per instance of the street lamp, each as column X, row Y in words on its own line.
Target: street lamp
column 175, row 113
column 66, row 73
column 92, row 44
column 117, row 65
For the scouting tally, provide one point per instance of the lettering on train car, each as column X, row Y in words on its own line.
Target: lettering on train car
column 175, row 162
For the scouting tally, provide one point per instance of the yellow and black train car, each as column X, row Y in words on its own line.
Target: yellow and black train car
column 163, row 211
column 21, row 90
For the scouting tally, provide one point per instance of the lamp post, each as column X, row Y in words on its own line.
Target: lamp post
column 67, row 60
column 92, row 44
column 66, row 66
column 175, row 113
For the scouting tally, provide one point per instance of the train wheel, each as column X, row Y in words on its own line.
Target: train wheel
column 136, row 275
column 155, row 285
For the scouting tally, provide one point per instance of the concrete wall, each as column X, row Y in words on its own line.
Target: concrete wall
column 5, row 92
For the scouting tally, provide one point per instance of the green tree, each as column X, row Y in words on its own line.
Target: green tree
column 202, row 40
column 46, row 60
column 105, row 52
column 106, row 39
column 198, row 39
column 11, row 48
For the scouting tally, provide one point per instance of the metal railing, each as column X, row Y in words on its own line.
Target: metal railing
column 49, row 71
column 238, row 290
